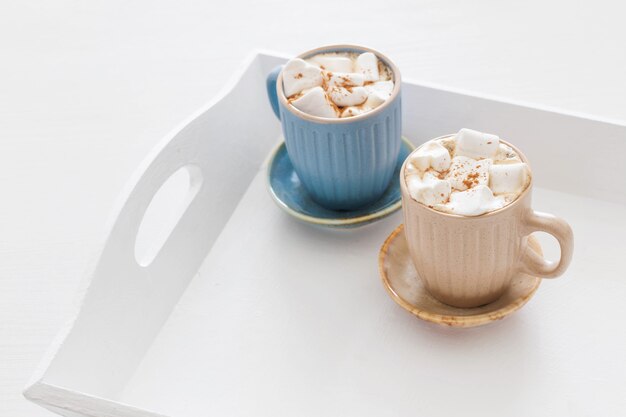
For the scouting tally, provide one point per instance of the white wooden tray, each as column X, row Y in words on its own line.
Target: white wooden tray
column 245, row 312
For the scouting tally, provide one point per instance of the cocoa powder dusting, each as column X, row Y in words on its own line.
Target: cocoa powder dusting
column 471, row 179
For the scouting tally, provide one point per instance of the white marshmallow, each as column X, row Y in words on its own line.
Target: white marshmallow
column 333, row 63
column 343, row 97
column 476, row 144
column 345, row 79
column 299, row 75
column 367, row 64
column 506, row 154
column 481, row 176
column 431, row 155
column 385, row 87
column 376, row 95
column 508, row 178
column 428, row 190
column 449, row 143
column 411, row 169
column 467, row 172
column 374, row 100
column 473, row 202
column 316, row 103
column 353, row 111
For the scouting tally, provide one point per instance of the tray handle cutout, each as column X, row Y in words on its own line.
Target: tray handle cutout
column 164, row 212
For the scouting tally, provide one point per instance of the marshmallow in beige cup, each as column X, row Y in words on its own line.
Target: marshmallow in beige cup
column 469, row 160
column 510, row 178
column 466, row 202
column 474, row 144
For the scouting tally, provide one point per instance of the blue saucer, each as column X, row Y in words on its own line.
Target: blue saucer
column 290, row 195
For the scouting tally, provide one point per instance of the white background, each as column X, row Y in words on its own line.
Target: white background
column 87, row 88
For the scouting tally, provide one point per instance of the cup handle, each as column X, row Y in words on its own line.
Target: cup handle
column 272, row 93
column 535, row 264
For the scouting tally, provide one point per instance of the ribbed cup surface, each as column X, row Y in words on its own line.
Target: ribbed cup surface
column 347, row 165
column 465, row 261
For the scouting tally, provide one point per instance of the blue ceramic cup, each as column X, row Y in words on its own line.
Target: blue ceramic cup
column 344, row 163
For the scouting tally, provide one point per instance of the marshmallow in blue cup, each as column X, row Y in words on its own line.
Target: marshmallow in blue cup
column 340, row 111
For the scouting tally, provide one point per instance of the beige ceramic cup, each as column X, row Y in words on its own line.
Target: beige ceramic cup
column 470, row 261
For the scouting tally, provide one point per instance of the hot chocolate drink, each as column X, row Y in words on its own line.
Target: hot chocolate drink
column 338, row 84
column 469, row 174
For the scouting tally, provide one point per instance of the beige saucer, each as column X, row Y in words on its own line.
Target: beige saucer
column 405, row 287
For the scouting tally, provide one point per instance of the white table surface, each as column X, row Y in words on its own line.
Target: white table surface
column 86, row 89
